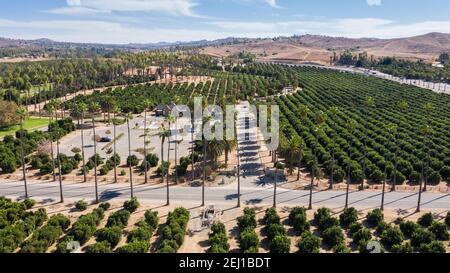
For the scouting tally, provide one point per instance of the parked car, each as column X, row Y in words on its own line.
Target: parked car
column 105, row 139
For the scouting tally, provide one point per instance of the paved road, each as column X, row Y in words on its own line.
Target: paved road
column 223, row 196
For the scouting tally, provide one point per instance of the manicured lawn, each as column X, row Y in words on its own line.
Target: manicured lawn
column 31, row 124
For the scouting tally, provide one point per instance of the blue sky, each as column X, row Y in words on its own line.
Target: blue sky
column 145, row 21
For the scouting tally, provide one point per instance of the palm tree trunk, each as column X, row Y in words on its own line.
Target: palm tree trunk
column 59, row 169
column 419, row 200
column 114, row 144
column 192, row 149
column 168, row 169
column 82, row 149
column 384, row 187
column 22, row 158
column 176, row 152
column 332, row 171
column 394, row 179
column 275, row 183
column 51, row 151
column 205, row 143
column 348, row 182
column 129, row 154
column 95, row 160
column 145, row 147
column 238, row 175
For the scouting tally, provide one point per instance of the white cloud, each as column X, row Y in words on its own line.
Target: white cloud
column 172, row 7
column 97, row 31
column 272, row 3
column 374, row 2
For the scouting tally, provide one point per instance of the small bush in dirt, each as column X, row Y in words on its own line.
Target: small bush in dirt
column 361, row 235
column 408, row 228
column 426, row 220
column 142, row 233
column 375, row 217
column 29, row 203
column 422, row 236
column 402, row 248
column 433, row 247
column 151, row 219
column 333, row 236
column 81, row 205
column 391, row 236
column 382, row 227
column 132, row 161
column 131, row 205
column 341, row 248
column 99, row 248
column 355, row 227
column 271, row 217
column 440, row 230
column 275, row 229
column 105, row 206
column 248, row 220
column 309, row 243
column 249, row 241
column 112, row 235
column 348, row 217
column 135, row 247
column 119, row 218
column 280, row 244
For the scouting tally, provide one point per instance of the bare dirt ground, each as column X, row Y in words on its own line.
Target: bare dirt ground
column 24, row 59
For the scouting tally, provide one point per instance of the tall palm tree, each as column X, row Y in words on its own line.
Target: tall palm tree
column 319, row 120
column 129, row 116
column 350, row 125
column 205, row 151
column 392, row 130
column 58, row 157
column 333, row 112
column 403, row 106
column 275, row 184
column 82, row 109
column 170, row 119
column 94, row 107
column 163, row 134
column 425, row 131
column 428, row 108
column 22, row 113
column 50, row 108
column 147, row 105
column 368, row 104
column 116, row 110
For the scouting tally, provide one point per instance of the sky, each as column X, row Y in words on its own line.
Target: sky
column 150, row 21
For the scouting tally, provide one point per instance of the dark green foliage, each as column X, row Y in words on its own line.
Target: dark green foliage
column 391, row 236
column 408, row 228
column 348, row 217
column 81, row 205
column 132, row 161
column 118, row 218
column 375, row 217
column 426, row 220
column 333, row 236
column 422, row 236
column 99, row 248
column 218, row 239
column 440, row 230
column 308, row 243
column 248, row 220
column 111, row 235
column 131, row 205
column 135, row 247
column 174, row 230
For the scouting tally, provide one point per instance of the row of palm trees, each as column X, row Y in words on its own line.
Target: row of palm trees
column 296, row 149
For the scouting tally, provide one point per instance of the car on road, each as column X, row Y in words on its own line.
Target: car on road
column 105, row 139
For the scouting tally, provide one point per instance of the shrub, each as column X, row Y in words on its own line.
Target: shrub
column 445, row 173
column 105, row 206
column 131, row 205
column 136, row 247
column 111, row 235
column 99, row 248
column 333, row 236
column 361, row 235
column 348, row 217
column 434, row 178
column 447, row 219
column 274, row 230
column 375, row 217
column 248, row 240
column 248, row 220
column 132, row 161
column 440, row 230
column 152, row 160
column 433, row 247
column 341, row 248
column 309, row 243
column 426, row 220
column 408, row 228
column 391, row 236
column 280, row 244
column 29, row 203
column 175, row 229
column 142, row 233
column 382, row 227
column 163, row 169
column 151, row 219
column 271, row 217
column 81, row 205
column 422, row 236
column 300, row 223
column 118, row 218
column 60, row 221
column 402, row 248
column 355, row 227
column 219, row 243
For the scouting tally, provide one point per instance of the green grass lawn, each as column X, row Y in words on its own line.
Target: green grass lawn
column 31, row 124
